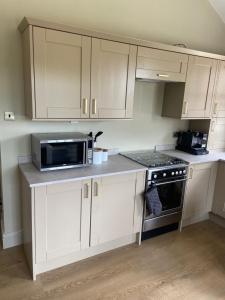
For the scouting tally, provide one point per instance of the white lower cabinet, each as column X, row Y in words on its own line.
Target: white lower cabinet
column 219, row 196
column 62, row 219
column 199, row 192
column 112, row 214
column 69, row 221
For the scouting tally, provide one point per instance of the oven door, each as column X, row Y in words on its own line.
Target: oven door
column 171, row 195
column 62, row 155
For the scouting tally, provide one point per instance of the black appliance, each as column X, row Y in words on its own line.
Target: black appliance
column 168, row 175
column 193, row 142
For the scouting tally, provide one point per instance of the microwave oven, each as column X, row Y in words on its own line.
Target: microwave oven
column 55, row 151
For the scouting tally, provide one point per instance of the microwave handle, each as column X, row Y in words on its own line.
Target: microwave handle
column 84, row 152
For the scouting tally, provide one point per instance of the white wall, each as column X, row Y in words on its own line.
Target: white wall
column 184, row 21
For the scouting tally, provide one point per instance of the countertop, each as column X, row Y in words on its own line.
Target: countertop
column 116, row 164
column 197, row 159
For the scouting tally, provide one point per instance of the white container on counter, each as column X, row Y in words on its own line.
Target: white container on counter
column 97, row 156
column 104, row 154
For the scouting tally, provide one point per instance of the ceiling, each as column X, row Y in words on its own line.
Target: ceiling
column 219, row 6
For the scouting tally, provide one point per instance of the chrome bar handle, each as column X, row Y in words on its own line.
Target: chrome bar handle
column 96, row 189
column 85, row 106
column 163, row 75
column 215, row 108
column 185, row 111
column 86, row 190
column 172, row 181
column 94, row 106
column 213, row 126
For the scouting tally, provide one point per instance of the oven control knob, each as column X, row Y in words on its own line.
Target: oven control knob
column 180, row 172
column 164, row 174
column 177, row 172
column 184, row 172
column 155, row 176
column 172, row 173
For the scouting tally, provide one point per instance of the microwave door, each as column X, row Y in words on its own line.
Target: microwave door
column 49, row 156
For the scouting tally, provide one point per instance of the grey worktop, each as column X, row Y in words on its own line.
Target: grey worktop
column 116, row 164
column 197, row 159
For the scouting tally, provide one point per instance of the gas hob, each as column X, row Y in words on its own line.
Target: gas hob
column 153, row 159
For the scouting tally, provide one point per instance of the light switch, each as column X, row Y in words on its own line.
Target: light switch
column 9, row 116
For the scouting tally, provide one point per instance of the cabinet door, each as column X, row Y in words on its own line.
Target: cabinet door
column 112, row 79
column 199, row 192
column 161, row 65
column 113, row 204
column 199, row 87
column 216, row 140
column 219, row 199
column 62, row 74
column 62, row 219
column 219, row 96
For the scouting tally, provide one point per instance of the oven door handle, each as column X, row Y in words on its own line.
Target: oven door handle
column 167, row 182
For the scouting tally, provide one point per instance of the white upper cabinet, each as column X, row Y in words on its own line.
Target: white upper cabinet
column 73, row 74
column 161, row 65
column 112, row 79
column 70, row 76
column 61, row 74
column 218, row 109
column 192, row 99
column 199, row 87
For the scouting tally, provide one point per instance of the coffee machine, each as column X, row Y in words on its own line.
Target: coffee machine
column 193, row 142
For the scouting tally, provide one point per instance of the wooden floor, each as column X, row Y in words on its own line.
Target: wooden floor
column 187, row 265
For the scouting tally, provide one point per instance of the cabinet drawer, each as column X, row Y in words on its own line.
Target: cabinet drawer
column 161, row 65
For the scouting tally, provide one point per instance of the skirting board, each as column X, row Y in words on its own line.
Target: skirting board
column 12, row 239
column 217, row 219
column 194, row 220
column 86, row 253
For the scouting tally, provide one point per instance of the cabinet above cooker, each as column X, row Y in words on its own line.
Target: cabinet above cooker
column 76, row 74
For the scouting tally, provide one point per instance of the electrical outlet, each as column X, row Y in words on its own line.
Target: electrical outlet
column 9, row 116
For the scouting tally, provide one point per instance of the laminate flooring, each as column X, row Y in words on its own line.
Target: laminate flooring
column 187, row 265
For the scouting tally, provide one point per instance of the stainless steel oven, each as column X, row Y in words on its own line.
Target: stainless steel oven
column 53, row 151
column 169, row 184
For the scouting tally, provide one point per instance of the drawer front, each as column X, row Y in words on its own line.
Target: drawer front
column 161, row 65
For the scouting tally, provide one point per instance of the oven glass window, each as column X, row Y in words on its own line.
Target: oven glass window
column 170, row 195
column 60, row 154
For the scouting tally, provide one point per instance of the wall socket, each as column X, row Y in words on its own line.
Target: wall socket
column 9, row 116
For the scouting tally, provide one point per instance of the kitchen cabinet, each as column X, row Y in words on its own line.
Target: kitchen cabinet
column 69, row 221
column 161, row 65
column 113, row 200
column 70, row 76
column 62, row 219
column 113, row 68
column 218, row 207
column 192, row 100
column 199, row 192
column 218, row 109
column 216, row 139
column 61, row 74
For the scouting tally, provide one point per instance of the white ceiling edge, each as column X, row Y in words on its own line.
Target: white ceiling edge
column 219, row 7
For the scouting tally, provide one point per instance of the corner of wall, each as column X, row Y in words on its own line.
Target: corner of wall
column 11, row 239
